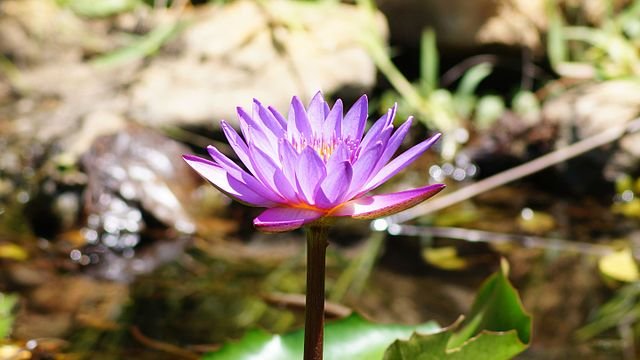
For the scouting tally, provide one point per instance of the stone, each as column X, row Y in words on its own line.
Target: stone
column 276, row 49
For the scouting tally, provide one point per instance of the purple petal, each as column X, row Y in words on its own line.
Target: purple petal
column 298, row 123
column 341, row 153
column 363, row 167
column 267, row 171
column 316, row 112
column 280, row 219
column 355, row 120
column 378, row 131
column 331, row 125
column 226, row 183
column 257, row 134
column 310, row 171
column 334, row 187
column 276, row 114
column 285, row 188
column 237, row 172
column 288, row 158
column 399, row 163
column 393, row 144
column 268, row 119
column 371, row 207
column 237, row 144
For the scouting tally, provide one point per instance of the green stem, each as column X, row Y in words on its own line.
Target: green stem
column 314, row 307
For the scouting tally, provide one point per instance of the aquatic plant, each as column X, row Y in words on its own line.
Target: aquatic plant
column 314, row 165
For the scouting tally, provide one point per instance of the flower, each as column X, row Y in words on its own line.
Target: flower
column 314, row 164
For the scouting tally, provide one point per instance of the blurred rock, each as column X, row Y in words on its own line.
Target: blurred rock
column 41, row 31
column 138, row 166
column 275, row 50
column 467, row 24
column 591, row 108
column 63, row 96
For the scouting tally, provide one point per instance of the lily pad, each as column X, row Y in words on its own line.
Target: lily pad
column 351, row 338
column 497, row 328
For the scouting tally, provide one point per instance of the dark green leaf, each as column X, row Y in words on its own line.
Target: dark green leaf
column 497, row 328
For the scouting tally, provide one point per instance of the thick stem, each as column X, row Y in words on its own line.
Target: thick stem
column 314, row 310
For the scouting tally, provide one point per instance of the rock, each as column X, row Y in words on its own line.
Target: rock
column 41, row 31
column 594, row 107
column 138, row 166
column 63, row 95
column 467, row 24
column 276, row 49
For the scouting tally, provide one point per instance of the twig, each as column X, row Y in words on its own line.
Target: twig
column 297, row 301
column 162, row 346
column 517, row 172
column 501, row 238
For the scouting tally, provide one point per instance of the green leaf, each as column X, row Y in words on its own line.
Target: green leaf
column 488, row 110
column 556, row 44
column 147, row 45
column 429, row 62
column 7, row 303
column 472, row 78
column 351, row 338
column 100, row 8
column 497, row 328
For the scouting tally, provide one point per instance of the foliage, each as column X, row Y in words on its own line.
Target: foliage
column 623, row 308
column 146, row 45
column 438, row 108
column 7, row 303
column 609, row 50
column 351, row 338
column 496, row 328
column 99, row 8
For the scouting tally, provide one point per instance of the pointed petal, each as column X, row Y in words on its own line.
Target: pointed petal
column 341, row 153
column 256, row 133
column 237, row 172
column 310, row 171
column 288, row 158
column 355, row 120
column 371, row 207
column 375, row 133
column 237, row 144
column 266, row 171
column 363, row 167
column 331, row 125
column 333, row 189
column 316, row 112
column 280, row 219
column 276, row 114
column 393, row 144
column 226, row 183
column 298, row 122
column 399, row 163
column 268, row 120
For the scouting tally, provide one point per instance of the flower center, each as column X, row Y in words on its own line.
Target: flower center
column 326, row 146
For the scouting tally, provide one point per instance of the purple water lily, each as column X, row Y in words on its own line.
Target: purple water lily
column 314, row 164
